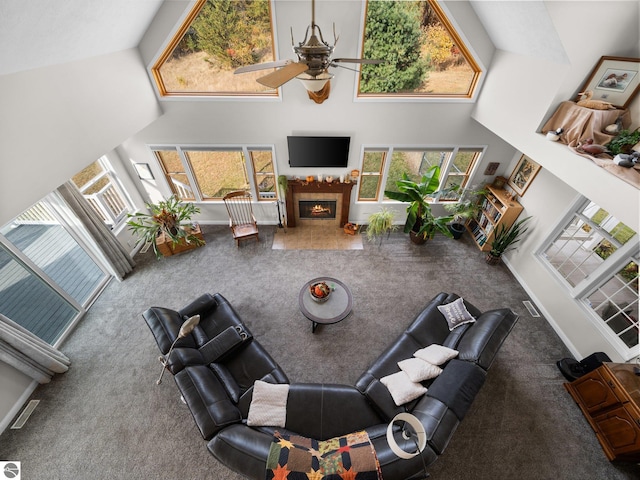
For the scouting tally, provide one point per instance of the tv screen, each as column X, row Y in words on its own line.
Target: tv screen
column 324, row 152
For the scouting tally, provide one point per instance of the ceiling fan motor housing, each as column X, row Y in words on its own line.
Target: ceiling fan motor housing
column 316, row 54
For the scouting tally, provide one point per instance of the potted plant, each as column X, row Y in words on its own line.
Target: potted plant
column 421, row 224
column 465, row 208
column 624, row 141
column 169, row 221
column 505, row 239
column 380, row 223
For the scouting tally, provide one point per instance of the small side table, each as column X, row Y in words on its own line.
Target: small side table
column 334, row 310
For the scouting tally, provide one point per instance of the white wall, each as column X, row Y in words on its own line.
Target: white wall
column 519, row 94
column 268, row 122
column 54, row 121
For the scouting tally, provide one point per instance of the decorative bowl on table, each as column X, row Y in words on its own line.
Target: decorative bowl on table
column 320, row 291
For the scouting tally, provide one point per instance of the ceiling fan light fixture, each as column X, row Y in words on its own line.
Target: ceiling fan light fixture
column 314, row 84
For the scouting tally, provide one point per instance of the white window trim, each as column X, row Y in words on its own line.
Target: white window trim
column 580, row 293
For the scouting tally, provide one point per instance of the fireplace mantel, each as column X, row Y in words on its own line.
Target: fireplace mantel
column 298, row 186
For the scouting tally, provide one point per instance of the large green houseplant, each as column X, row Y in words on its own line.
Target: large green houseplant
column 421, row 223
column 170, row 217
column 505, row 240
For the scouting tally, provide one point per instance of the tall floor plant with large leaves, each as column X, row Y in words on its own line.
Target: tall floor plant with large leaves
column 420, row 218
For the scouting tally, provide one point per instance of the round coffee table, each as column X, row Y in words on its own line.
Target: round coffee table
column 335, row 309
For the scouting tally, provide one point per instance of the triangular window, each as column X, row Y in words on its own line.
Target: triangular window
column 217, row 37
column 423, row 54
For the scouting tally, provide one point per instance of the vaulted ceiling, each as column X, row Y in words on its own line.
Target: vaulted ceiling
column 40, row 33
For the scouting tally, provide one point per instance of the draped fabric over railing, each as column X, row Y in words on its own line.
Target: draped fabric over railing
column 111, row 250
column 29, row 354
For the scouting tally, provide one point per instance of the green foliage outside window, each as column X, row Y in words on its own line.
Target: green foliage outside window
column 393, row 34
column 234, row 32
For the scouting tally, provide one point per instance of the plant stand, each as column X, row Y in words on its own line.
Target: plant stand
column 167, row 248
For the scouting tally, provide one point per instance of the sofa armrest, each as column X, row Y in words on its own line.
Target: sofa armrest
column 482, row 340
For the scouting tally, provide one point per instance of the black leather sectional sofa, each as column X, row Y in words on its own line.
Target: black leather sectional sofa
column 215, row 368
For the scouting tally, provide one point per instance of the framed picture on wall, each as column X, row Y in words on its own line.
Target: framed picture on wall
column 615, row 80
column 523, row 175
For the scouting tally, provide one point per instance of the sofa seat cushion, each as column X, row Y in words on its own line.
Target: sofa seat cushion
column 207, row 400
column 439, row 422
column 458, row 385
column 243, row 449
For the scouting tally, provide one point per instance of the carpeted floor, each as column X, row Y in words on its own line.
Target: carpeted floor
column 106, row 417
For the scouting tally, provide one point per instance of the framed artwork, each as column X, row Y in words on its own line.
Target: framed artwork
column 491, row 168
column 615, row 80
column 144, row 171
column 523, row 175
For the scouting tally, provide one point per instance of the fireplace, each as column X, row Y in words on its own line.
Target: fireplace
column 335, row 196
column 317, row 209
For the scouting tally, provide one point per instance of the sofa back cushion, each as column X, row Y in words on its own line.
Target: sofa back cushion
column 322, row 411
column 482, row 340
column 165, row 324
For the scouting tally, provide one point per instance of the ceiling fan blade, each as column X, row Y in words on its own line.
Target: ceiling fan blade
column 282, row 76
column 358, row 60
column 262, row 66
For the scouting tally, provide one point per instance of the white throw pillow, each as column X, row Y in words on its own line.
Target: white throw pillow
column 456, row 313
column 436, row 354
column 401, row 388
column 268, row 404
column 418, row 370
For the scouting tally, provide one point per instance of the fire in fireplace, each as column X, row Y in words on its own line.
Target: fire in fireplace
column 317, row 209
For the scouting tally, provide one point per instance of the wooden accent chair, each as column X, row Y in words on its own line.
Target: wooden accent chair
column 241, row 220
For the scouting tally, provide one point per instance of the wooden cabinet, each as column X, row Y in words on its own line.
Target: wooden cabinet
column 609, row 398
column 497, row 208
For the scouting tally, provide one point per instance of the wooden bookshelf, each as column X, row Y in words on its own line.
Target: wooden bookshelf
column 497, row 208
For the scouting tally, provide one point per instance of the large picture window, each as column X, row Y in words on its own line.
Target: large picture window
column 382, row 167
column 209, row 173
column 217, row 37
column 596, row 257
column 433, row 61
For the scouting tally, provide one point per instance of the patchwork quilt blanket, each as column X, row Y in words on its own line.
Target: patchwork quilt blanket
column 350, row 457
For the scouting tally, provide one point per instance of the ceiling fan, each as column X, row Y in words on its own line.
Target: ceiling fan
column 314, row 60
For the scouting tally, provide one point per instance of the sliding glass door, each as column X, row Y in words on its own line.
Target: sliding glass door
column 47, row 279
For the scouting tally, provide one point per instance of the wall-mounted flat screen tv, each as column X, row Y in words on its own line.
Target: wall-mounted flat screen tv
column 324, row 152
